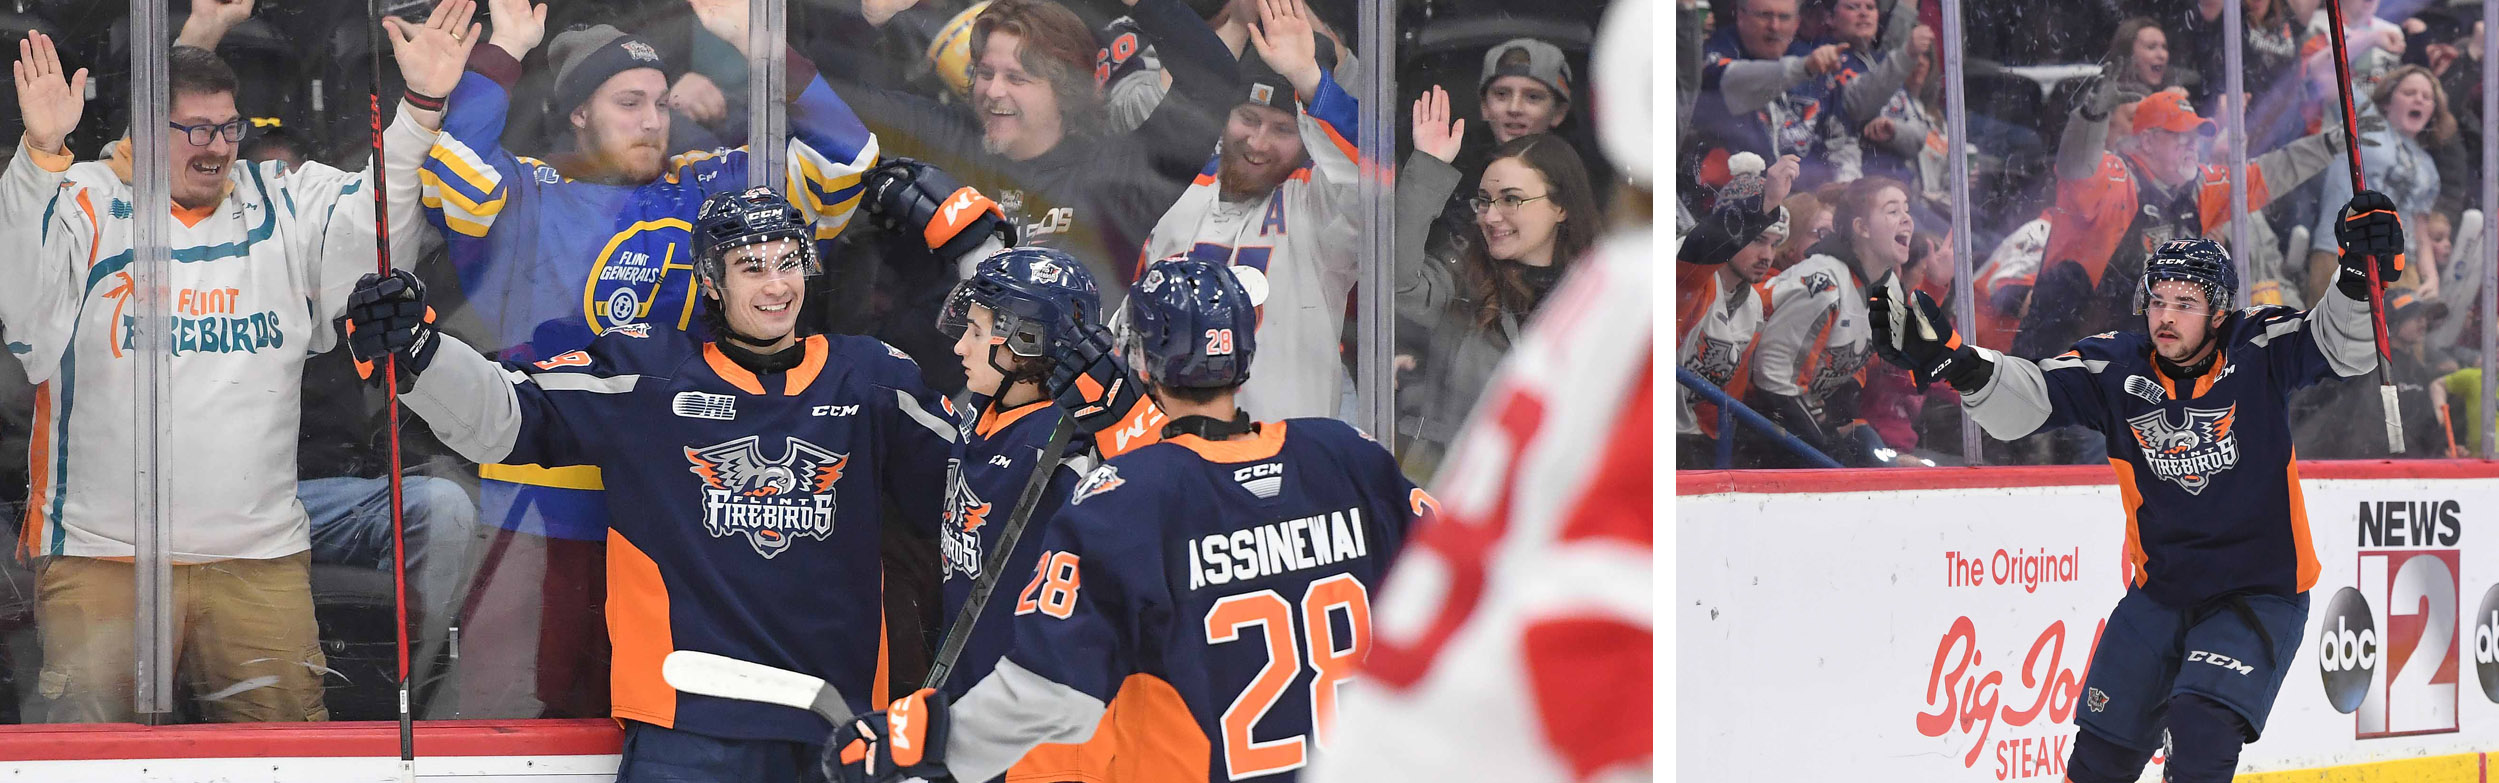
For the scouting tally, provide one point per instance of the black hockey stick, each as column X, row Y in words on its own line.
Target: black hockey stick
column 1044, row 463
column 374, row 39
column 2377, row 293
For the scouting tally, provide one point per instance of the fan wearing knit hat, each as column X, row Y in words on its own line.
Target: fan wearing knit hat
column 609, row 86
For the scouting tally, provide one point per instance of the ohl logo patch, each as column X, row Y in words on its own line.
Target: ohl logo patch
column 960, row 542
column 2190, row 453
column 770, row 501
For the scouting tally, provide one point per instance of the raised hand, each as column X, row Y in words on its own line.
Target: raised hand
column 1825, row 59
column 49, row 103
column 1434, row 133
column 209, row 21
column 431, row 55
column 724, row 19
column 1778, row 181
column 1284, row 40
column 519, row 25
column 699, row 97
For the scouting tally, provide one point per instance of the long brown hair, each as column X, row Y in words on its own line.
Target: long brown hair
column 2442, row 125
column 1051, row 42
column 1497, row 286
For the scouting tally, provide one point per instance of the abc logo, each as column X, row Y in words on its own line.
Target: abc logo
column 2348, row 650
column 2486, row 643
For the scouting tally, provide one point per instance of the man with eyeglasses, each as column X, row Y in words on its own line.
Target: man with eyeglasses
column 2195, row 413
column 262, row 259
column 1279, row 196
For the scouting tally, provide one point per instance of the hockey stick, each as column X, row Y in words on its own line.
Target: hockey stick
column 960, row 633
column 2377, row 295
column 724, row 677
column 390, row 398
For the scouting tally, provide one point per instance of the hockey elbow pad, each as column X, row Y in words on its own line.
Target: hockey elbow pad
column 916, row 199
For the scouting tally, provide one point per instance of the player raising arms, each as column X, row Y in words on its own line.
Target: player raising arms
column 2195, row 410
column 1216, row 584
column 747, row 481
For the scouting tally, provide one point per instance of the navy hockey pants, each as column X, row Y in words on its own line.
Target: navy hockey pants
column 2206, row 674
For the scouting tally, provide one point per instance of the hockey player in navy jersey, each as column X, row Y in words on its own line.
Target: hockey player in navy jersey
column 1212, row 590
column 1009, row 319
column 2195, row 411
column 747, row 479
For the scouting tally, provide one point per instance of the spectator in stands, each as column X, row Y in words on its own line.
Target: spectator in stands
column 2349, row 419
column 275, row 144
column 2269, row 59
column 2112, row 205
column 1809, row 221
column 2459, row 394
column 2139, row 56
column 242, row 327
column 2376, row 46
column 1284, row 178
column 1033, row 141
column 1535, row 215
column 1766, row 92
column 1905, row 139
column 1721, row 294
column 2398, row 164
column 1804, row 376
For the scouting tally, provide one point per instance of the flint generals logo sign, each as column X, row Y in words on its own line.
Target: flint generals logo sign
column 2189, row 453
column 770, row 501
column 966, row 514
column 642, row 275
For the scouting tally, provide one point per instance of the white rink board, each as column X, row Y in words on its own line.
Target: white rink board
column 446, row 769
column 1809, row 627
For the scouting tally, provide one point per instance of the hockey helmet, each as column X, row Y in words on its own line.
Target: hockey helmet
column 2193, row 260
column 1193, row 324
column 1035, row 296
column 729, row 221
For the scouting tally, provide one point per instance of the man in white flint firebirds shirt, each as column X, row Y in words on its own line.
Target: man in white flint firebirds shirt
column 262, row 260
column 1281, row 196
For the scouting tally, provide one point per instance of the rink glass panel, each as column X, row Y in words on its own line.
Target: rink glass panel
column 2026, row 66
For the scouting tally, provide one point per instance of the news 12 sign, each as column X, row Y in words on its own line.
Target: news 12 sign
column 2388, row 651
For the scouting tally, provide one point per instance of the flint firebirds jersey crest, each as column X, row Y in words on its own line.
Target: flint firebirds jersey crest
column 770, row 501
column 2189, row 453
column 959, row 542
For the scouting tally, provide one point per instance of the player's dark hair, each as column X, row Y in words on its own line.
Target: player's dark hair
column 1495, row 286
column 1053, row 42
column 190, row 70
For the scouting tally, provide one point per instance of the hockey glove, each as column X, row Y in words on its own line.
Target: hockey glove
column 1090, row 383
column 907, row 740
column 916, row 199
column 1912, row 333
column 2369, row 229
column 386, row 315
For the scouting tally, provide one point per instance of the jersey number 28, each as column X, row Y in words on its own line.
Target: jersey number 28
column 1322, row 606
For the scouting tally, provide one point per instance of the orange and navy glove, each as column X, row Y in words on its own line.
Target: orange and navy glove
column 1089, row 382
column 1912, row 333
column 907, row 740
column 386, row 315
column 2370, row 229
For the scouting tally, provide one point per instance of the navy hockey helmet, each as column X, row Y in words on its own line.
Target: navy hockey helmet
column 729, row 221
column 2195, row 260
column 1193, row 324
column 1035, row 297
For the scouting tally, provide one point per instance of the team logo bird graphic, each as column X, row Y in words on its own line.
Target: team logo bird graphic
column 770, row 501
column 2189, row 453
column 966, row 513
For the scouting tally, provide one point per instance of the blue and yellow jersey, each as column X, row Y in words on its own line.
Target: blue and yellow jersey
column 549, row 262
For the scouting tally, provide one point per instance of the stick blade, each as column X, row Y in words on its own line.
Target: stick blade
column 724, row 677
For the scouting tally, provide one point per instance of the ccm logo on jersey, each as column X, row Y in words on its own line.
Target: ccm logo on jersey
column 698, row 405
column 833, row 410
column 1265, row 481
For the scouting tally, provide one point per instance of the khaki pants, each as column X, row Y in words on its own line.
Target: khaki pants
column 244, row 639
